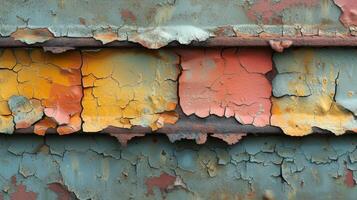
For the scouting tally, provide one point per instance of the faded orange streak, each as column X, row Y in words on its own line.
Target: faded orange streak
column 54, row 80
column 226, row 83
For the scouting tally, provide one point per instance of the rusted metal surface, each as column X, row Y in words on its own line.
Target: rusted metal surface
column 97, row 167
column 154, row 24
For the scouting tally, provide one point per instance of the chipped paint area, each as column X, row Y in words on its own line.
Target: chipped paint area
column 315, row 88
column 97, row 167
column 349, row 12
column 35, row 84
column 157, row 23
column 229, row 83
column 125, row 88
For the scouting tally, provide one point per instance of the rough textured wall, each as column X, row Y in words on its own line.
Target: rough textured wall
column 87, row 167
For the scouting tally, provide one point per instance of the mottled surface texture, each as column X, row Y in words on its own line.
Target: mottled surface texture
column 86, row 167
column 156, row 23
column 124, row 88
column 227, row 82
column 38, row 86
column 315, row 88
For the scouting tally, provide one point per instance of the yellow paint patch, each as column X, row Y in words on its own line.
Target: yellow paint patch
column 124, row 88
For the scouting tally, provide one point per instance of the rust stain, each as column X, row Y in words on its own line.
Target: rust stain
column 20, row 191
column 127, row 15
column 270, row 10
column 106, row 36
column 349, row 12
column 32, row 36
column 61, row 191
column 163, row 182
column 349, row 181
column 229, row 138
column 228, row 83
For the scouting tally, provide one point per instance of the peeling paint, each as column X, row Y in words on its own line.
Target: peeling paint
column 349, row 12
column 36, row 84
column 211, row 83
column 97, row 167
column 32, row 36
column 137, row 87
column 314, row 88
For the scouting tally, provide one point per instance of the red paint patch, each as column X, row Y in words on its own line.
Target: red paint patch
column 227, row 83
column 349, row 12
column 269, row 10
column 349, row 181
column 127, row 15
column 163, row 182
column 20, row 191
column 61, row 191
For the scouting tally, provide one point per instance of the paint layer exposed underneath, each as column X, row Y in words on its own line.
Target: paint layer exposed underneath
column 36, row 84
column 315, row 88
column 228, row 83
column 125, row 88
column 87, row 167
column 349, row 12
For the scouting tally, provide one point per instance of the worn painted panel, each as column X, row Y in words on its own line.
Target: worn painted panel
column 87, row 167
column 155, row 23
column 36, row 84
column 315, row 88
column 226, row 82
column 125, row 88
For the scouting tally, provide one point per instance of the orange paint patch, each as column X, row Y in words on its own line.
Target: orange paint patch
column 32, row 36
column 228, row 83
column 52, row 79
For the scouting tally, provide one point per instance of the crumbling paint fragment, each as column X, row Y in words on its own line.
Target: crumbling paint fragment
column 229, row 138
column 227, row 82
column 279, row 46
column 32, row 36
column 315, row 88
column 125, row 88
column 35, row 83
column 349, row 12
column 269, row 11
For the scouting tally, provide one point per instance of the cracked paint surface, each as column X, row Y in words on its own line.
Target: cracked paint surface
column 156, row 23
column 315, row 88
column 125, row 88
column 97, row 167
column 227, row 82
column 35, row 84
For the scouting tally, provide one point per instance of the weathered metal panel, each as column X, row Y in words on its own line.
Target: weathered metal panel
column 184, row 93
column 154, row 24
column 97, row 167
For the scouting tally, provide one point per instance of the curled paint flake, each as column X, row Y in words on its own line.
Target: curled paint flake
column 228, row 83
column 32, row 36
column 229, row 138
column 124, row 88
